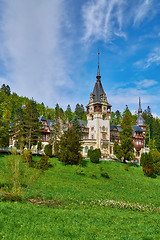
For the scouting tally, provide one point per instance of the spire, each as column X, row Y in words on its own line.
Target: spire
column 139, row 109
column 98, row 72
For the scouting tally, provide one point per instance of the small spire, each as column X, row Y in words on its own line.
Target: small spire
column 98, row 72
column 139, row 109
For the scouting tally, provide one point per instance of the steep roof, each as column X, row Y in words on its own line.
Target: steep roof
column 136, row 129
column 140, row 121
column 98, row 91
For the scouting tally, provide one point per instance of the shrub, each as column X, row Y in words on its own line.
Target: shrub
column 105, row 175
column 95, row 155
column 79, row 171
column 14, row 151
column 56, row 149
column 43, row 163
column 48, row 150
column 39, row 146
column 126, row 168
column 89, row 152
column 27, row 156
column 147, row 164
column 70, row 148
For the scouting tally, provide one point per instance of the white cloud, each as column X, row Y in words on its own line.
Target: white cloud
column 107, row 19
column 152, row 58
column 142, row 11
column 146, row 83
column 32, row 50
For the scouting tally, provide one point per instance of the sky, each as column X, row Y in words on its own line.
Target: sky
column 48, row 51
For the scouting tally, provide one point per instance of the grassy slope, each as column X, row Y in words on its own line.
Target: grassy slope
column 26, row 221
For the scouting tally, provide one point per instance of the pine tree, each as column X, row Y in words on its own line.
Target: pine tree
column 77, row 127
column 32, row 126
column 70, row 148
column 126, row 137
column 68, row 113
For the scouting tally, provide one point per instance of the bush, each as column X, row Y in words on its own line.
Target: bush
column 70, row 148
column 126, row 168
column 48, row 150
column 43, row 163
column 105, row 175
column 39, row 145
column 147, row 164
column 89, row 152
column 95, row 155
column 27, row 156
column 14, row 151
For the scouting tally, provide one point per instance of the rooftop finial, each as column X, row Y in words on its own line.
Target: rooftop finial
column 140, row 109
column 98, row 72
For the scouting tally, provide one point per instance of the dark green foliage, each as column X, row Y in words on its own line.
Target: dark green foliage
column 126, row 137
column 39, row 145
column 95, row 155
column 76, row 126
column 56, row 149
column 6, row 89
column 27, row 156
column 43, row 163
column 48, row 150
column 105, row 175
column 70, row 148
column 68, row 113
column 147, row 164
column 117, row 150
column 31, row 124
column 89, row 152
column 80, row 112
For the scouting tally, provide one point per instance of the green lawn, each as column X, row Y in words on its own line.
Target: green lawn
column 68, row 219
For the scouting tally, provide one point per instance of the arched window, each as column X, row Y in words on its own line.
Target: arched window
column 86, row 149
column 91, row 147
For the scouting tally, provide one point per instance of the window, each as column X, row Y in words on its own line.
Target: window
column 92, row 128
column 104, row 136
column 103, row 117
column 92, row 117
column 92, row 136
column 86, row 149
column 104, row 108
column 91, row 147
column 103, row 128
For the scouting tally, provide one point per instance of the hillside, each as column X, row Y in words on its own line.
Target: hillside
column 67, row 208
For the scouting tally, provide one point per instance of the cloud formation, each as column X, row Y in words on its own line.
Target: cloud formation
column 31, row 48
column 105, row 19
column 152, row 58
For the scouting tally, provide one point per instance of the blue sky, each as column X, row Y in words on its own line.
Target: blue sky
column 48, row 50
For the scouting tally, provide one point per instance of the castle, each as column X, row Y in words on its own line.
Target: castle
column 97, row 132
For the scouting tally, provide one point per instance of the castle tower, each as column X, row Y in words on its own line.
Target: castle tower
column 98, row 116
column 140, row 121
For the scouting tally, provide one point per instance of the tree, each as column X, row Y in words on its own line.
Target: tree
column 126, row 137
column 80, row 112
column 70, row 148
column 148, row 117
column 77, row 127
column 4, row 128
column 68, row 113
column 6, row 89
column 117, row 149
column 56, row 125
column 116, row 117
column 32, row 126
